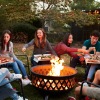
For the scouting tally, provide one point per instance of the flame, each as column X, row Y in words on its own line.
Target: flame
column 56, row 64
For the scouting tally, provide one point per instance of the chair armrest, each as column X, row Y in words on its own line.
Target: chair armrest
column 90, row 83
column 10, row 81
column 23, row 55
column 27, row 60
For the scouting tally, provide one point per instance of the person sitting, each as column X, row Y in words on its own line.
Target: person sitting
column 64, row 47
column 41, row 45
column 92, row 45
column 6, row 50
column 92, row 91
column 7, row 90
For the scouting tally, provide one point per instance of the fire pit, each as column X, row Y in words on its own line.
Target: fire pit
column 43, row 81
column 54, row 77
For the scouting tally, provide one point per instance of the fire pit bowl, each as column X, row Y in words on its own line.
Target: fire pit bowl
column 43, row 81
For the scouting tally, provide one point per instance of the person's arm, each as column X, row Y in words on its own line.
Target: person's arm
column 90, row 48
column 51, row 49
column 27, row 45
column 85, row 45
column 11, row 53
column 68, row 49
column 83, row 51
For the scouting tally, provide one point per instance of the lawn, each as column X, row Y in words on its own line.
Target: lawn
column 32, row 93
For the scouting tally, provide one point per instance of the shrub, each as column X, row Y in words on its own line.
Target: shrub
column 25, row 28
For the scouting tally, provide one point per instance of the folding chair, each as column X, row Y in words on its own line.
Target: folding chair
column 27, row 61
column 89, row 83
column 21, row 87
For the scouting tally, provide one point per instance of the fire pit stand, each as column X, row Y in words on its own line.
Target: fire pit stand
column 50, row 84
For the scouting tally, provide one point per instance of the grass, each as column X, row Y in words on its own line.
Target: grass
column 32, row 93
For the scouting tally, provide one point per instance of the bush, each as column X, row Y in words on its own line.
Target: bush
column 25, row 28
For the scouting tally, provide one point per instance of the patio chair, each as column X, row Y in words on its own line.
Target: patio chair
column 21, row 87
column 89, row 83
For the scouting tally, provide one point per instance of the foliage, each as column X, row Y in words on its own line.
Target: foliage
column 18, row 10
column 25, row 28
column 69, row 12
column 36, row 22
column 57, row 13
column 55, row 38
column 84, row 5
column 82, row 18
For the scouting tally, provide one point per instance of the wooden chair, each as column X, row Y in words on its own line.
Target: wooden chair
column 20, row 83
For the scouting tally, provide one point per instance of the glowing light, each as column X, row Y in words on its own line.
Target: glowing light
column 56, row 64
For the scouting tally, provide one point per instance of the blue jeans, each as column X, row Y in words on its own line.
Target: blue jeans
column 21, row 67
column 7, row 90
column 14, row 66
column 92, row 71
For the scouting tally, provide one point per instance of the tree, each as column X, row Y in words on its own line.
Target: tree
column 62, row 12
column 56, row 12
column 84, row 5
column 52, row 12
column 18, row 10
column 81, row 12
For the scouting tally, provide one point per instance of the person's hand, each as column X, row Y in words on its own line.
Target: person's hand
column 83, row 51
column 55, row 57
column 23, row 49
column 92, row 49
column 86, row 51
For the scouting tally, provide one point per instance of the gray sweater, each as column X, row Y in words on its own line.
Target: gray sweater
column 9, row 53
column 39, row 50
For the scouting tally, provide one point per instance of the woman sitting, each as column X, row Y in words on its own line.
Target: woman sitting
column 41, row 45
column 64, row 47
column 7, row 51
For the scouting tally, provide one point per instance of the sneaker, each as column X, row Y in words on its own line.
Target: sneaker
column 84, row 84
column 21, row 98
column 71, row 98
column 25, row 82
column 16, row 76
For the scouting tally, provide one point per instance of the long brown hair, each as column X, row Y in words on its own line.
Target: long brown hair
column 65, row 39
column 2, row 40
column 36, row 40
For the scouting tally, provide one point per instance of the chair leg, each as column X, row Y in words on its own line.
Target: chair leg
column 21, row 87
column 28, row 65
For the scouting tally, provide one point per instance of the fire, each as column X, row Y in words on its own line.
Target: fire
column 56, row 64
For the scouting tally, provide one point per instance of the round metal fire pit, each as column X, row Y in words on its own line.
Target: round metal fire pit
column 64, row 82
